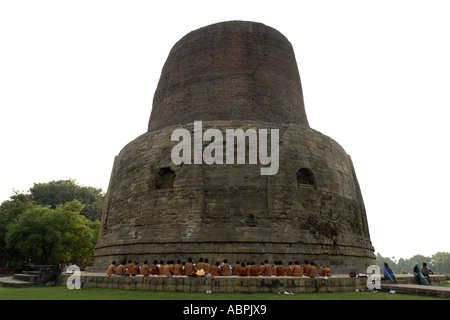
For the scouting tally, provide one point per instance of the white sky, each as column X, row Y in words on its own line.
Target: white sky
column 77, row 80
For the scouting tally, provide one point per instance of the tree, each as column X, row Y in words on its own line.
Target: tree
column 441, row 262
column 59, row 192
column 43, row 235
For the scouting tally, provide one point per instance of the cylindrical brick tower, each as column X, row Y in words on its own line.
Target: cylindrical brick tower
column 234, row 75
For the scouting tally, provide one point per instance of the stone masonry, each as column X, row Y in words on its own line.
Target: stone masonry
column 234, row 75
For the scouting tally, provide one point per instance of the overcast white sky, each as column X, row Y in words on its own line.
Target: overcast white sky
column 77, row 80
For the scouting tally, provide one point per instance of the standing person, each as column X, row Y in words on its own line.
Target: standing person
column 145, row 270
column 225, row 270
column 388, row 274
column 112, row 269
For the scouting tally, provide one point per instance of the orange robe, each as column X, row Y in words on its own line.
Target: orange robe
column 325, row 272
column 297, row 271
column 154, row 269
column 120, row 268
column 254, row 271
column 306, row 269
column 190, row 269
column 290, row 270
column 111, row 270
column 313, row 272
column 225, row 270
column 145, row 270
column 135, row 270
column 268, row 270
column 178, row 270
column 166, row 270
column 243, row 271
column 215, row 271
column 235, row 271
column 280, row 271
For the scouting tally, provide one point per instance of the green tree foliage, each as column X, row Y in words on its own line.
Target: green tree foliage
column 43, row 235
column 54, row 193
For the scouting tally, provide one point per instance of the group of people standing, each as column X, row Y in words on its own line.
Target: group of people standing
column 203, row 268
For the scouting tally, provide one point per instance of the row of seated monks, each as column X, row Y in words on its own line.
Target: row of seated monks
column 203, row 268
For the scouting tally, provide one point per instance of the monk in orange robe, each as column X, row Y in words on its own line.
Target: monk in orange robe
column 121, row 269
column 189, row 268
column 268, row 270
column 298, row 272
column 225, row 269
column 306, row 268
column 201, row 265
column 235, row 270
column 129, row 267
column 280, row 269
column 290, row 269
column 243, row 270
column 325, row 272
column 135, row 270
column 111, row 269
column 166, row 269
column 207, row 267
column 155, row 268
column 145, row 270
column 215, row 270
column 178, row 269
column 313, row 271
column 254, row 270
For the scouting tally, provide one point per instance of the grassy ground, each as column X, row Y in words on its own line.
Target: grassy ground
column 63, row 293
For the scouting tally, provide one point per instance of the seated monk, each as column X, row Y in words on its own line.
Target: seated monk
column 166, row 269
column 325, row 272
column 111, row 269
column 178, row 269
column 225, row 269
column 268, row 270
column 280, row 269
column 235, row 270
column 135, row 270
column 261, row 268
column 121, row 269
column 215, row 270
column 312, row 271
column 145, row 270
column 207, row 267
column 243, row 270
column 290, row 269
column 189, row 268
column 129, row 267
column 155, row 268
column 254, row 270
column 297, row 270
column 201, row 265
column 306, row 268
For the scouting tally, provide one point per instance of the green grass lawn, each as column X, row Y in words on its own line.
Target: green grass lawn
column 63, row 293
